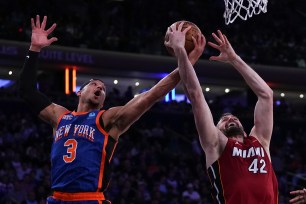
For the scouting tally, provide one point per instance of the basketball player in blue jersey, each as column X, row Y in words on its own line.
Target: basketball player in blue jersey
column 239, row 166
column 84, row 140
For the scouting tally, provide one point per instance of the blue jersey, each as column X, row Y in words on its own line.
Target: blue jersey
column 81, row 153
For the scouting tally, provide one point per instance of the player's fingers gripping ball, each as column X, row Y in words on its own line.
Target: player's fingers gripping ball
column 192, row 32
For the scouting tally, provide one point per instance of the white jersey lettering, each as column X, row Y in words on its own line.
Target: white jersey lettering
column 248, row 153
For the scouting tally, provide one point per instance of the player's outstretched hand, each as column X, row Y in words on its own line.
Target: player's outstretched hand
column 227, row 53
column 299, row 196
column 39, row 37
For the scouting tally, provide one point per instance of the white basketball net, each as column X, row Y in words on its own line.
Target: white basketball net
column 243, row 9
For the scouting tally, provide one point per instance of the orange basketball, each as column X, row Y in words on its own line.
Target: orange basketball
column 189, row 45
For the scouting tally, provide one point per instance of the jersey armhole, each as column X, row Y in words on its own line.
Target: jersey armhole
column 100, row 123
column 60, row 118
column 227, row 146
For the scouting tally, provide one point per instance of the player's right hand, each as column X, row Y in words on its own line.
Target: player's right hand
column 176, row 36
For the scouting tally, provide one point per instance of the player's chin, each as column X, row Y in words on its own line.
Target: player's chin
column 96, row 101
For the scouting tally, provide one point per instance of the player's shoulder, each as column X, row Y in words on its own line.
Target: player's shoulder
column 52, row 113
column 111, row 114
column 254, row 139
column 112, row 111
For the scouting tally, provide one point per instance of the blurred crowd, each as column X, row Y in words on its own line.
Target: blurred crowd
column 274, row 38
column 158, row 161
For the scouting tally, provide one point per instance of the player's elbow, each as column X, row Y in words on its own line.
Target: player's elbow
column 267, row 94
column 25, row 89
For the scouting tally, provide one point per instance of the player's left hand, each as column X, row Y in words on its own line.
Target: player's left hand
column 199, row 46
column 227, row 53
column 300, row 196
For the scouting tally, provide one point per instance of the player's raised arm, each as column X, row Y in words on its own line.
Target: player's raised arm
column 121, row 118
column 208, row 133
column 39, row 103
column 263, row 115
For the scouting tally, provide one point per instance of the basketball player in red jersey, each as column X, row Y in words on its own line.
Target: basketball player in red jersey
column 84, row 140
column 239, row 166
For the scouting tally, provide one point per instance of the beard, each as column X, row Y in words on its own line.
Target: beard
column 233, row 131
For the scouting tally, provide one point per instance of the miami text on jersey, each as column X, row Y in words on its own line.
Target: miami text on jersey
column 247, row 153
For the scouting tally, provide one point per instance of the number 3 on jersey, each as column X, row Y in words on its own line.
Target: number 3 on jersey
column 71, row 145
column 254, row 166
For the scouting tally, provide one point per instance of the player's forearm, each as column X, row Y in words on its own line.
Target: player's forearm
column 136, row 107
column 188, row 76
column 28, row 73
column 255, row 82
column 202, row 114
column 164, row 86
column 28, row 90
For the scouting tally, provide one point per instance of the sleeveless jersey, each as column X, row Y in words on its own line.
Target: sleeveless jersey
column 81, row 153
column 243, row 174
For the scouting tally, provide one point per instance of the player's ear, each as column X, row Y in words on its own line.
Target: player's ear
column 78, row 93
column 244, row 134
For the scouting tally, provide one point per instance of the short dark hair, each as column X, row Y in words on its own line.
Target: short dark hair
column 83, row 85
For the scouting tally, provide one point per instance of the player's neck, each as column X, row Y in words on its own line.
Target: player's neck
column 238, row 138
column 85, row 107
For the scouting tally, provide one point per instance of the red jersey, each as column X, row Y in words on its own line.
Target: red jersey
column 243, row 174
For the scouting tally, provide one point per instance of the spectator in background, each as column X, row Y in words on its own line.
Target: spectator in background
column 191, row 194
